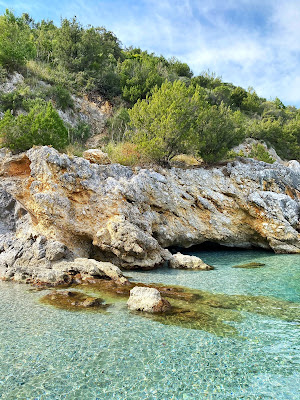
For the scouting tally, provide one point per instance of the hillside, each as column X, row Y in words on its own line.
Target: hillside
column 60, row 86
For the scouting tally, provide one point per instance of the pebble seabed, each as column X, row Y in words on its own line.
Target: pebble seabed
column 239, row 340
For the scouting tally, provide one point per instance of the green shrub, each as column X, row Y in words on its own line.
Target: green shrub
column 118, row 124
column 42, row 126
column 62, row 97
column 177, row 119
column 260, row 153
column 125, row 153
column 217, row 130
column 231, row 154
column 80, row 133
column 30, row 103
column 163, row 124
column 47, row 73
column 16, row 44
column 11, row 101
column 283, row 136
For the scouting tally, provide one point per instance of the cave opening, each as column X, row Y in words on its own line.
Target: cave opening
column 209, row 246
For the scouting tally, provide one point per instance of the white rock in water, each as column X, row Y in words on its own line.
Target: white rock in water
column 189, row 262
column 147, row 299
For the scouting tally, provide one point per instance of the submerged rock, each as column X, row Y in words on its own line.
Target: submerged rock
column 249, row 265
column 197, row 309
column 148, row 300
column 183, row 261
column 73, row 300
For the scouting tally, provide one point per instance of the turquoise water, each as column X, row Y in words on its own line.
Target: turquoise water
column 47, row 353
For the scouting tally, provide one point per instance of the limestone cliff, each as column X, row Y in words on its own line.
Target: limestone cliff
column 131, row 216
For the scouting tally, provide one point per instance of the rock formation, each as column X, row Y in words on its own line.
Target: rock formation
column 148, row 300
column 130, row 217
column 183, row 261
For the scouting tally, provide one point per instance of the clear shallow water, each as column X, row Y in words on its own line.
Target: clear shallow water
column 47, row 353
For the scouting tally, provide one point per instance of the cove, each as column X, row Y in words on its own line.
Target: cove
column 50, row 353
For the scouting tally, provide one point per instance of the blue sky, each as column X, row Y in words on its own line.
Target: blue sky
column 246, row 42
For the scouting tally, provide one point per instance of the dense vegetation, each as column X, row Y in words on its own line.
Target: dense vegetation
column 160, row 108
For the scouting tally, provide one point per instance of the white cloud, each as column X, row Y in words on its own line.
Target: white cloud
column 265, row 57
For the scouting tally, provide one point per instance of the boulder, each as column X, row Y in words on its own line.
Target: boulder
column 184, row 160
column 294, row 165
column 55, row 250
column 96, row 156
column 183, row 261
column 93, row 268
column 147, row 299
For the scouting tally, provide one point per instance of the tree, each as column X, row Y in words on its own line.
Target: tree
column 181, row 69
column 163, row 124
column 16, row 41
column 139, row 74
column 207, row 80
column 283, row 136
column 251, row 102
column 237, row 96
column 67, row 44
column 218, row 129
column 45, row 34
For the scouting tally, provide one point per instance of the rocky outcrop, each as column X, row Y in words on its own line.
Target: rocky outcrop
column 38, row 260
column 246, row 148
column 129, row 217
column 26, row 256
column 148, row 300
column 183, row 261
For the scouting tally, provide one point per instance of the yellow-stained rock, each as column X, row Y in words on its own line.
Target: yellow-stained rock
column 96, row 156
column 129, row 217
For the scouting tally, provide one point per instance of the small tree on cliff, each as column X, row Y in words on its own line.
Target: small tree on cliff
column 163, row 124
column 177, row 119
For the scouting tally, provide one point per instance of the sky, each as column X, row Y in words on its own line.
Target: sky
column 250, row 43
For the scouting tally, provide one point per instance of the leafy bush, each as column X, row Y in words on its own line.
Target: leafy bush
column 217, row 130
column 42, row 126
column 260, row 153
column 11, row 101
column 178, row 119
column 283, row 136
column 62, row 97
